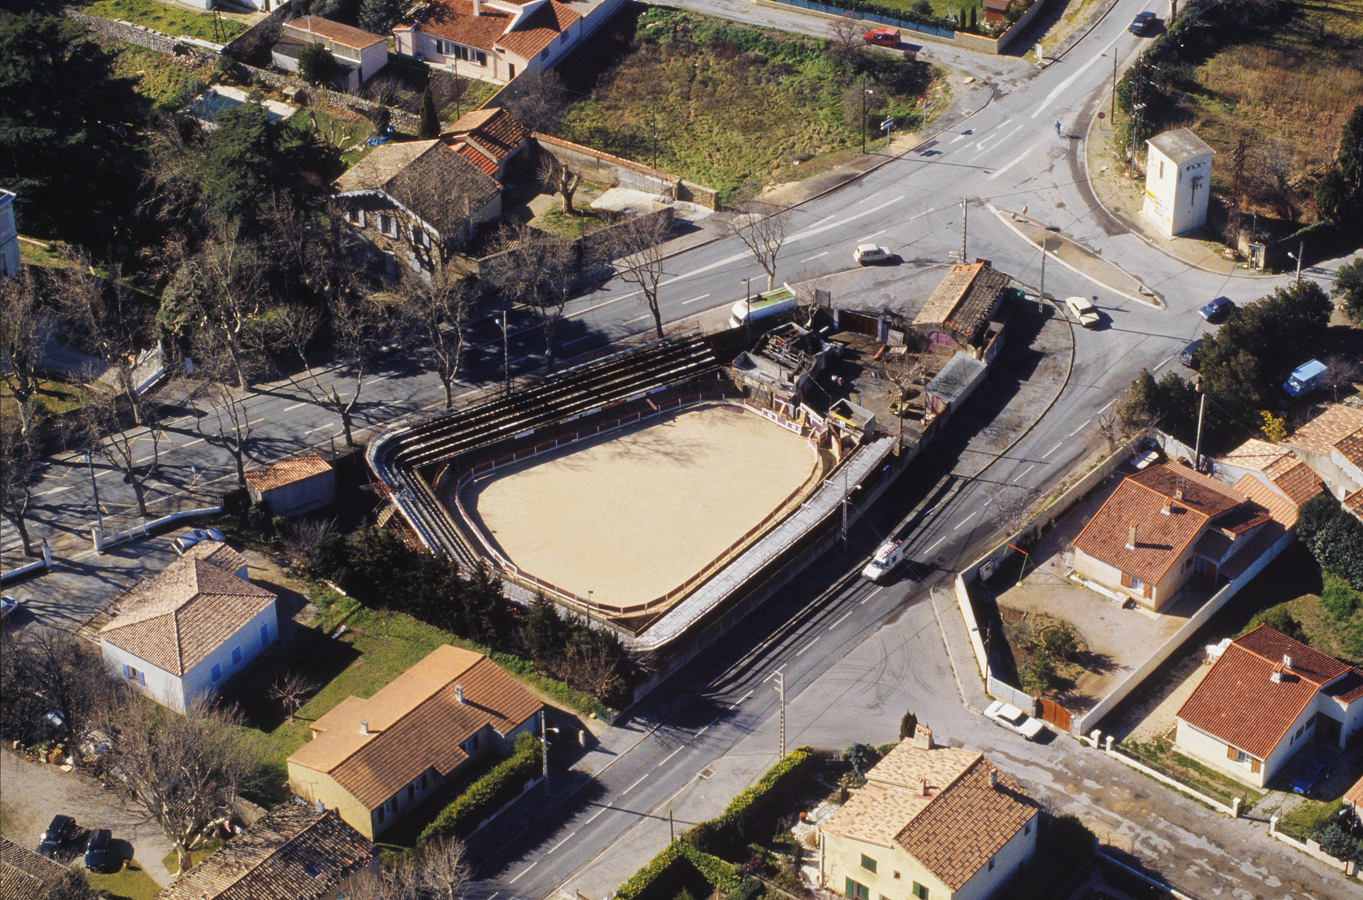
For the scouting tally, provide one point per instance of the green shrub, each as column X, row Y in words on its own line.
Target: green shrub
column 742, row 817
column 1340, row 599
column 1334, row 537
column 502, row 784
column 1280, row 620
column 679, row 867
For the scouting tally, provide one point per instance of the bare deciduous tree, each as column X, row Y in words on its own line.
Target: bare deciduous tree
column 291, row 690
column 440, row 872
column 18, row 476
column 227, row 294
column 1276, row 166
column 638, row 248
column 535, row 268
column 537, row 99
column 25, row 326
column 357, row 330
column 133, row 451
column 185, row 770
column 301, row 537
column 845, row 44
column 438, row 313
column 559, row 178
column 43, row 671
column 762, row 228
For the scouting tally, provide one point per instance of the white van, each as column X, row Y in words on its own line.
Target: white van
column 888, row 555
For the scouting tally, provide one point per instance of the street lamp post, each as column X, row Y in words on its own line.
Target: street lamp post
column 94, row 486
column 865, row 92
column 846, row 495
column 781, row 687
column 544, row 749
column 506, row 355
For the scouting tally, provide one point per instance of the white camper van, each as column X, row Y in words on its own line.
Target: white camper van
column 888, row 555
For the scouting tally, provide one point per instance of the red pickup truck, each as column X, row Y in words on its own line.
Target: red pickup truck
column 885, row 36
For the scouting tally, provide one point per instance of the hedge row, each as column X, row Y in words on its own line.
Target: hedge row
column 668, row 873
column 502, row 784
column 1334, row 537
column 891, row 12
column 729, row 829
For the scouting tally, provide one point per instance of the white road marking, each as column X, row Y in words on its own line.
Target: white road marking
column 807, row 646
column 1064, row 85
column 873, row 235
column 820, row 228
column 959, row 137
column 192, row 443
column 669, row 757
column 996, row 140
column 635, row 785
column 707, row 727
column 527, row 869
column 595, row 815
column 587, row 337
column 966, row 520
column 645, row 317
column 1053, row 449
column 1081, row 427
column 318, row 428
column 561, row 843
column 816, row 255
column 939, row 540
column 694, row 300
column 1017, row 159
column 295, row 406
column 741, row 699
column 53, row 491
column 583, row 312
column 1025, row 471
column 839, row 622
column 870, row 595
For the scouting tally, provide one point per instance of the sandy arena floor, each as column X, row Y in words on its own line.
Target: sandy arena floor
column 633, row 515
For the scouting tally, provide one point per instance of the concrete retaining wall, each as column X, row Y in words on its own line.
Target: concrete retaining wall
column 966, row 41
column 103, row 540
column 1312, row 848
column 594, row 165
column 136, row 34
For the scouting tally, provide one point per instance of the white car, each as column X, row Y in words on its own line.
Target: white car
column 870, row 253
column 1014, row 719
column 7, row 606
column 195, row 536
column 1084, row 311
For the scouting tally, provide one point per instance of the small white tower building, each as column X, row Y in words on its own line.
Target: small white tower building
column 1178, row 174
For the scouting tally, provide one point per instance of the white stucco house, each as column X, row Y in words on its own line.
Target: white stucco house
column 1178, row 181
column 931, row 823
column 9, row 236
column 1266, row 697
column 181, row 635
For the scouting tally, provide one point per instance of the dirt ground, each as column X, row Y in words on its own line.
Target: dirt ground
column 633, row 515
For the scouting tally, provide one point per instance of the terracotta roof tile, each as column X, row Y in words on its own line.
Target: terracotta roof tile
column 965, row 299
column 1239, row 704
column 1327, row 429
column 953, row 827
column 539, row 29
column 1354, row 795
column 24, row 875
column 216, row 553
column 415, row 723
column 454, row 20
column 179, row 617
column 1160, row 538
column 287, row 471
column 1255, row 455
column 344, row 35
column 292, row 853
column 1354, row 503
column 1297, row 480
column 494, row 130
column 487, row 166
column 1282, row 509
column 1351, row 448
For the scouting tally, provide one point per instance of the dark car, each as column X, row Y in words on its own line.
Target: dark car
column 59, row 831
column 1310, row 777
column 1188, row 355
column 1143, row 24
column 99, row 853
column 1215, row 309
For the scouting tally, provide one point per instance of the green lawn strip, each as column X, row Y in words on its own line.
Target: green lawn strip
column 554, row 221
column 131, row 883
column 1168, row 761
column 167, row 19
column 52, row 398
column 733, row 106
column 167, row 85
column 196, row 856
column 1301, row 820
column 476, row 93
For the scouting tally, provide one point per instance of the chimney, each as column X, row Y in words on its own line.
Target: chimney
column 1168, row 505
column 1277, row 675
column 993, row 778
column 459, row 694
column 922, row 737
column 1287, row 661
column 1178, row 495
column 1131, row 537
column 477, row 7
column 364, row 727
column 923, row 786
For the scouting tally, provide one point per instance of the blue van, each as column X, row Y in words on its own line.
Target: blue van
column 1306, row 378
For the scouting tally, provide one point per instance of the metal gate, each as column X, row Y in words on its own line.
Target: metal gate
column 1053, row 712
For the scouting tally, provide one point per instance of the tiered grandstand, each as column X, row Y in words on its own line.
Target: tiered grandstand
column 408, row 457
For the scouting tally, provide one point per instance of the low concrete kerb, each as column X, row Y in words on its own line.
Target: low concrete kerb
column 1007, row 219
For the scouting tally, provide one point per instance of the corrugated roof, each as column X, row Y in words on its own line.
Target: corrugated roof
column 288, row 471
column 415, row 723
column 182, row 615
column 1240, row 704
column 965, row 299
column 1160, row 538
column 292, row 853
column 939, row 806
column 24, row 875
column 344, row 35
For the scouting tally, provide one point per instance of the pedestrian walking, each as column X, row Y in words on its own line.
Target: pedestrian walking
column 1057, row 129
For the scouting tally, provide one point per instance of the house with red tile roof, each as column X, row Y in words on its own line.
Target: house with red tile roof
column 1275, row 465
column 935, row 823
column 198, row 622
column 489, row 138
column 496, row 40
column 1332, row 445
column 1265, row 698
column 358, row 54
column 374, row 760
column 293, row 486
column 1169, row 524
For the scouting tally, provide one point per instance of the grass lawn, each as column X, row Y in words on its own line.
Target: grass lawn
column 554, row 221
column 158, row 77
column 172, row 859
column 1294, row 582
column 52, row 398
column 476, row 93
column 1194, row 774
column 345, row 133
column 733, row 106
column 166, row 19
column 131, row 883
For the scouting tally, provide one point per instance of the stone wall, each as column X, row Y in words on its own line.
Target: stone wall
column 403, row 121
column 136, row 34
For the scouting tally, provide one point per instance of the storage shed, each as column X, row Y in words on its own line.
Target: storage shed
column 294, row 486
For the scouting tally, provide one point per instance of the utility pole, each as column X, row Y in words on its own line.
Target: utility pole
column 94, row 485
column 1301, row 251
column 1197, row 451
column 965, row 214
column 1041, row 298
column 671, row 829
column 1236, row 190
column 864, row 92
column 1112, row 114
column 781, row 686
column 506, row 355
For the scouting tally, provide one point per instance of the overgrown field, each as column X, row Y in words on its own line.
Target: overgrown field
column 167, row 19
column 1284, row 75
column 162, row 79
column 733, row 106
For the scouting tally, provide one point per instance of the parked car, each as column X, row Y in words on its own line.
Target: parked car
column 1143, row 24
column 1215, row 309
column 1306, row 378
column 99, row 853
column 1309, row 778
column 870, row 253
column 1188, row 355
column 885, row 36
column 194, row 536
column 1084, row 311
column 1014, row 719
column 7, row 606
column 59, row 831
